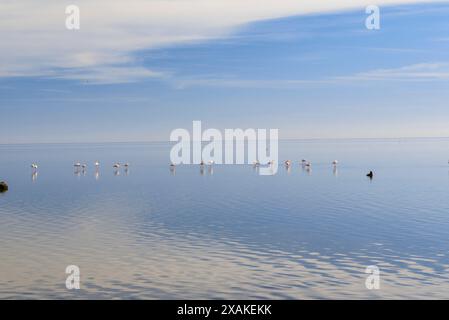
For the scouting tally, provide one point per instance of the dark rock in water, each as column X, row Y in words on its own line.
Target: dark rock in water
column 3, row 187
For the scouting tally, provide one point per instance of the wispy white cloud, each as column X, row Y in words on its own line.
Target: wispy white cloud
column 109, row 74
column 35, row 42
column 441, row 39
column 435, row 71
column 230, row 82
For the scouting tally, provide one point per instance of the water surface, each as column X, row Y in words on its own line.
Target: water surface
column 226, row 232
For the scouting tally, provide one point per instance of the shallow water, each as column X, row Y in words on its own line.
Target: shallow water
column 226, row 233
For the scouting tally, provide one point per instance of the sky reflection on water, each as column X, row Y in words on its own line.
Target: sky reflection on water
column 226, row 232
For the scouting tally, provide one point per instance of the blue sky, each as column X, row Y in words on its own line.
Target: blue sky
column 320, row 75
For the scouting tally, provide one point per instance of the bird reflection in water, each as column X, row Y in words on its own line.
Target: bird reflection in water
column 335, row 171
column 309, row 170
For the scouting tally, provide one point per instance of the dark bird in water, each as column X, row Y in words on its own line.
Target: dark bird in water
column 3, row 187
column 370, row 175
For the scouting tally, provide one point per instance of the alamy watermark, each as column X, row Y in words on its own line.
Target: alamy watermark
column 73, row 279
column 372, row 281
column 72, row 21
column 261, row 148
column 372, row 22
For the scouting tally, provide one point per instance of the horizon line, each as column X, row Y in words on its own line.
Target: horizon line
column 224, row 140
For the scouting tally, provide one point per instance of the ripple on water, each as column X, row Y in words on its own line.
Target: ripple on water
column 230, row 235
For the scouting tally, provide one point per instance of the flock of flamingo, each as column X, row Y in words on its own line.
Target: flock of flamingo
column 288, row 163
column 116, row 165
column 79, row 166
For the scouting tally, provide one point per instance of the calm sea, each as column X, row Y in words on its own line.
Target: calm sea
column 226, row 232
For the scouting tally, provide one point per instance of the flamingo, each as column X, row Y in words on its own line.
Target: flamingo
column 288, row 163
